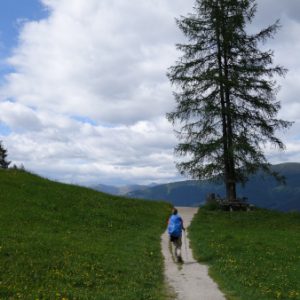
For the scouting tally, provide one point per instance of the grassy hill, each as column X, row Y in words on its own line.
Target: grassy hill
column 252, row 255
column 60, row 241
column 262, row 192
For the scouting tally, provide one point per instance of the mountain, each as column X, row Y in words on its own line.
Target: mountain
column 109, row 189
column 261, row 191
column 120, row 190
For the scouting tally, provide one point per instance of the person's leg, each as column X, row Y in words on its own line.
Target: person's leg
column 178, row 244
column 173, row 246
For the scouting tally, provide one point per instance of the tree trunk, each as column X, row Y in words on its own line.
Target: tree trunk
column 224, row 121
column 231, row 162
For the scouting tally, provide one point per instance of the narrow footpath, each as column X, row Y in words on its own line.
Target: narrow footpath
column 190, row 280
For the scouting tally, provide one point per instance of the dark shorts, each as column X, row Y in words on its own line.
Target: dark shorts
column 176, row 240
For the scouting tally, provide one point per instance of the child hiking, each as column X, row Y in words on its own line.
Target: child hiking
column 175, row 227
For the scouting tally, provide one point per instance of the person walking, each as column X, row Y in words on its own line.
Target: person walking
column 175, row 227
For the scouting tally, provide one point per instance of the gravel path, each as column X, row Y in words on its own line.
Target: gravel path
column 190, row 280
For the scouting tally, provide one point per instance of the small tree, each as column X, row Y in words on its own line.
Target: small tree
column 226, row 100
column 3, row 154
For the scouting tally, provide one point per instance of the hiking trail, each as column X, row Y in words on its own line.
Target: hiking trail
column 190, row 280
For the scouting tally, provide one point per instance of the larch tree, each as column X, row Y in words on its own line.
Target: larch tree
column 225, row 94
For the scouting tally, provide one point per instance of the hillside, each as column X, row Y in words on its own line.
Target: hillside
column 60, row 241
column 262, row 192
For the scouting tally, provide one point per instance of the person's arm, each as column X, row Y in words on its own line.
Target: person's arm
column 182, row 226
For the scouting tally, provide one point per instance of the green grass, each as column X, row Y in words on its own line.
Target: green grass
column 252, row 255
column 61, row 241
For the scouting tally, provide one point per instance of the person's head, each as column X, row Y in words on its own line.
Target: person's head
column 174, row 211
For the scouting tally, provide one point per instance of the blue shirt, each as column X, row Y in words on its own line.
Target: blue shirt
column 175, row 225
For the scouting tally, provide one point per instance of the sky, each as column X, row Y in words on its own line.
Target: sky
column 84, row 92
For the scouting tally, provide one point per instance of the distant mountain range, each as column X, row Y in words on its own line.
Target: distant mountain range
column 262, row 192
column 120, row 190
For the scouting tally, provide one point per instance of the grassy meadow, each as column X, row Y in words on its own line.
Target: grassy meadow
column 60, row 241
column 252, row 255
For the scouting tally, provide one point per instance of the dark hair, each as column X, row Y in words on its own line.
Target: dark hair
column 175, row 211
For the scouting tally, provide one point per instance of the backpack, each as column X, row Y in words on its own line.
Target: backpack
column 175, row 226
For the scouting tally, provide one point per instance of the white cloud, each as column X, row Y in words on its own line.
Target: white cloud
column 88, row 95
column 63, row 148
column 19, row 117
column 104, row 59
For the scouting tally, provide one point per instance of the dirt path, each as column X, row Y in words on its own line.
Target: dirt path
column 189, row 280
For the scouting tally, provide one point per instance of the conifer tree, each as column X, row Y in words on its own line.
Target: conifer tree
column 3, row 154
column 225, row 93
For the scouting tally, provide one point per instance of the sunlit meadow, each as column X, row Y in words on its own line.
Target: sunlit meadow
column 252, row 255
column 66, row 242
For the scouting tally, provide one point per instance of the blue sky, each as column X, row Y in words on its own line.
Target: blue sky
column 84, row 92
column 12, row 14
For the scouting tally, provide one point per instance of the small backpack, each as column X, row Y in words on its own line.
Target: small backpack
column 175, row 226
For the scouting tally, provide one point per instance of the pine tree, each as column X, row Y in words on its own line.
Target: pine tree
column 3, row 154
column 226, row 94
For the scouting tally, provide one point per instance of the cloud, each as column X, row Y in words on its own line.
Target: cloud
column 106, row 60
column 18, row 117
column 87, row 97
column 66, row 149
column 273, row 10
